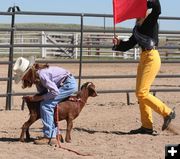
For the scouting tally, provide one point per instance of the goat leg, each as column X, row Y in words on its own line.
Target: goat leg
column 27, row 134
column 25, row 128
column 22, row 134
column 68, row 131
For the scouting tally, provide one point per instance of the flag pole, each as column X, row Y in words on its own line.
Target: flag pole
column 114, row 29
column 114, row 26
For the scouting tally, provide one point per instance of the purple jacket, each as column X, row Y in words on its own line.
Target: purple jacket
column 51, row 79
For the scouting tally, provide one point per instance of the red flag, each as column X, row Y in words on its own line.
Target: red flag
column 128, row 9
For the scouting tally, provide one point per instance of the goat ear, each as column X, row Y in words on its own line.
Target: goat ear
column 92, row 92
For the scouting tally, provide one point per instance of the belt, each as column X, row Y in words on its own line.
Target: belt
column 64, row 79
column 145, row 49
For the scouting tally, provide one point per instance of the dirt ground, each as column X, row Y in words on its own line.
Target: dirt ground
column 102, row 127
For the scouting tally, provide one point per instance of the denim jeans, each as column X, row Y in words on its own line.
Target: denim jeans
column 47, row 107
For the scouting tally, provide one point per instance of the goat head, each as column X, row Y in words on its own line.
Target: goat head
column 91, row 89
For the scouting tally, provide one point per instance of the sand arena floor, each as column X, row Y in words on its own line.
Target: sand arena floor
column 102, row 126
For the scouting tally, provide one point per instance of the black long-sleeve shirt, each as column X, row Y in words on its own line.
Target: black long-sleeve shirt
column 149, row 27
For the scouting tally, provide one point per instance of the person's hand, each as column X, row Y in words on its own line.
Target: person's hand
column 34, row 98
column 27, row 98
column 116, row 40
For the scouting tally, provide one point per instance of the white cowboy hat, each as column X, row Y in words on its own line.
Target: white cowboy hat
column 21, row 67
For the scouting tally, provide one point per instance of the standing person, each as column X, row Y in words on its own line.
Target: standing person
column 145, row 34
column 53, row 85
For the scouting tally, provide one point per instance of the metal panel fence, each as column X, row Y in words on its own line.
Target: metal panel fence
column 15, row 11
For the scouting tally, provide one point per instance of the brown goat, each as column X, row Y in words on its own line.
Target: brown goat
column 67, row 110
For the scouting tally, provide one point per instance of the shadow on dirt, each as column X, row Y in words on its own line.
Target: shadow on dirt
column 111, row 132
column 4, row 139
column 103, row 131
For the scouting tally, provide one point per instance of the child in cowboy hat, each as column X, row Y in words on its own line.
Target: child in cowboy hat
column 21, row 67
column 53, row 85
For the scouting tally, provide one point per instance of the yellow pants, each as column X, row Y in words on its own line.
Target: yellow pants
column 148, row 68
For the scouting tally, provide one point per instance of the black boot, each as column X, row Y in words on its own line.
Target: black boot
column 142, row 130
column 167, row 119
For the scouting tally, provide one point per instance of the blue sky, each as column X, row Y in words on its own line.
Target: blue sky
column 169, row 8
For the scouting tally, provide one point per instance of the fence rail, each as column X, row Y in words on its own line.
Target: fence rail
column 82, row 43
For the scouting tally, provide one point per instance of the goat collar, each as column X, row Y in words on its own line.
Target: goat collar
column 75, row 99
